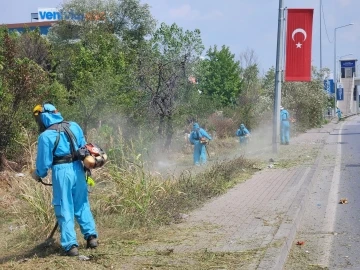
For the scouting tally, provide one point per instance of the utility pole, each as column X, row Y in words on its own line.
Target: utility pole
column 278, row 72
column 320, row 35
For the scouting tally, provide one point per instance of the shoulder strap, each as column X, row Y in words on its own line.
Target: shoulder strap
column 64, row 127
column 56, row 127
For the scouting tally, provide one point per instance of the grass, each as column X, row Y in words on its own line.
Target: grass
column 127, row 198
column 131, row 204
column 203, row 259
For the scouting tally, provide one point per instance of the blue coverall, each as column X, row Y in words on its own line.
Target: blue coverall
column 338, row 112
column 241, row 133
column 284, row 126
column 199, row 148
column 70, row 195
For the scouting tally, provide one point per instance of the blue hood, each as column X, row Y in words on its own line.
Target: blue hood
column 51, row 117
column 242, row 126
column 196, row 126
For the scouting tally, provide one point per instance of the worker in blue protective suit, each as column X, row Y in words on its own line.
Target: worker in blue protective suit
column 243, row 134
column 338, row 112
column 199, row 138
column 284, row 126
column 70, row 195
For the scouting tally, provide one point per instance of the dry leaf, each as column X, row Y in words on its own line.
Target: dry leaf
column 343, row 201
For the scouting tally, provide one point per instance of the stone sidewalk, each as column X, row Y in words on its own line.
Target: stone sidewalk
column 257, row 214
column 264, row 212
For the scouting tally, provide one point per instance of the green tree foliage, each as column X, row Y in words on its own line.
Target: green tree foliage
column 249, row 99
column 96, row 56
column 22, row 82
column 268, row 83
column 164, row 72
column 221, row 75
column 97, row 73
column 306, row 100
column 115, row 62
column 128, row 20
column 33, row 46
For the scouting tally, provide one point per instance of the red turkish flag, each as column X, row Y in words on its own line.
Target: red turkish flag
column 298, row 44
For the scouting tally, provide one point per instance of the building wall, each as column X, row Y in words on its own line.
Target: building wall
column 347, row 73
column 21, row 27
column 43, row 29
column 348, row 105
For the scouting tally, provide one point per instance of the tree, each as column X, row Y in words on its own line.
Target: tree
column 96, row 55
column 97, row 70
column 164, row 72
column 221, row 75
column 268, row 83
column 21, row 80
column 129, row 20
column 33, row 46
column 249, row 98
column 306, row 100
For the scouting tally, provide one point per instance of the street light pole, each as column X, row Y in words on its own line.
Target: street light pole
column 320, row 35
column 335, row 78
column 277, row 94
column 335, row 75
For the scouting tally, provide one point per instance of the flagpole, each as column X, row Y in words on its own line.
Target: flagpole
column 277, row 93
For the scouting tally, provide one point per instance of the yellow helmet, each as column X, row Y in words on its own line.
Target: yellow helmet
column 37, row 109
column 46, row 107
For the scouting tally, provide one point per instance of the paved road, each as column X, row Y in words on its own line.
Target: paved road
column 346, row 244
column 330, row 230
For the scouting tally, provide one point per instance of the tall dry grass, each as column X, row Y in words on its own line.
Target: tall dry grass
column 126, row 193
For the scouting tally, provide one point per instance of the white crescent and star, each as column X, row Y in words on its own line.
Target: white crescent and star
column 298, row 30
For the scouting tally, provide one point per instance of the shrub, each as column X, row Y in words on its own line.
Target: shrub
column 223, row 126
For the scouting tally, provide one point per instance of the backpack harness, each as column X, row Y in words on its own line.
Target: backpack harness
column 64, row 127
column 198, row 135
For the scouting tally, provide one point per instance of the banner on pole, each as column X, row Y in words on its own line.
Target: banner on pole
column 329, row 86
column 298, row 45
column 340, row 92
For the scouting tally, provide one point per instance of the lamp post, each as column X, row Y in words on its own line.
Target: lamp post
column 335, row 77
column 277, row 92
column 320, row 35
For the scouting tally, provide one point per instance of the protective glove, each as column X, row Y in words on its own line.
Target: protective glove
column 35, row 176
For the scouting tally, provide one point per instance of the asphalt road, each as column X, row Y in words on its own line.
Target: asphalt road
column 345, row 251
column 329, row 233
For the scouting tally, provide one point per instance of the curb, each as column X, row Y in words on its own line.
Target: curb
column 276, row 255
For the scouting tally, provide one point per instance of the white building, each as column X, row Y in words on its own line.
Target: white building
column 347, row 95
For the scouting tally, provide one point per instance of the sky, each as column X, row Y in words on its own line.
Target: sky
column 239, row 24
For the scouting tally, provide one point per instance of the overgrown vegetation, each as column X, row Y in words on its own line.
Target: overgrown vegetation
column 135, row 87
column 131, row 199
column 116, row 68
